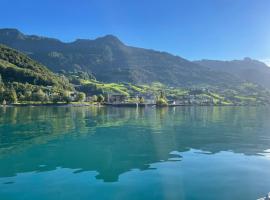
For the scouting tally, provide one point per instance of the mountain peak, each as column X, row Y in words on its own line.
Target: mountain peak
column 107, row 39
column 248, row 59
column 11, row 33
column 110, row 39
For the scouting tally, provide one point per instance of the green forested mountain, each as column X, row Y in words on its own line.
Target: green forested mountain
column 24, row 79
column 17, row 67
column 112, row 61
column 246, row 69
column 107, row 65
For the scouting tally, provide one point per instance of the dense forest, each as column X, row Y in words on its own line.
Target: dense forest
column 23, row 79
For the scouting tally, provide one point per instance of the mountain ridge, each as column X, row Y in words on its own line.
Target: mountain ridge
column 246, row 69
column 110, row 60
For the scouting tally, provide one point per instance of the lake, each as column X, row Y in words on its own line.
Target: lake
column 190, row 153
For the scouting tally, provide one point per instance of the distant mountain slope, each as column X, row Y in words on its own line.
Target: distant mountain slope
column 246, row 69
column 17, row 67
column 112, row 61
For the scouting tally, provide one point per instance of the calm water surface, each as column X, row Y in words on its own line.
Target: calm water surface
column 192, row 153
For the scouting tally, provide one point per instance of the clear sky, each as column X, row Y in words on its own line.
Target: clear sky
column 194, row 29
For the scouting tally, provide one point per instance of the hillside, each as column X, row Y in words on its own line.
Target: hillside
column 242, row 94
column 246, row 69
column 17, row 67
column 110, row 60
column 23, row 79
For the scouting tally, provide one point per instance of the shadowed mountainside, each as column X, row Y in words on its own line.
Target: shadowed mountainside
column 110, row 60
column 246, row 69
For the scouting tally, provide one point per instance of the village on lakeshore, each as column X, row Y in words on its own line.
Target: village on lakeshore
column 194, row 97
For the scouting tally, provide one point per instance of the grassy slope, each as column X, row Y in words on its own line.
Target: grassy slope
column 244, row 94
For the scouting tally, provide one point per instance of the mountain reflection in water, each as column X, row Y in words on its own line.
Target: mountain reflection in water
column 112, row 141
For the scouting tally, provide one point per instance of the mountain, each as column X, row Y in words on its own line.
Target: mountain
column 17, row 67
column 247, row 69
column 110, row 60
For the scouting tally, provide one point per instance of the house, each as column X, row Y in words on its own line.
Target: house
column 171, row 102
column 149, row 98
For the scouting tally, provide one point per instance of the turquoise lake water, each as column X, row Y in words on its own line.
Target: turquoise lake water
column 189, row 153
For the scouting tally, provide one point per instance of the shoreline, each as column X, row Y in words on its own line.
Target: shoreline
column 78, row 104
column 48, row 104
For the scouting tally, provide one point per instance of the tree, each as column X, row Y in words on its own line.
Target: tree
column 13, row 96
column 10, row 96
column 161, row 100
column 4, row 102
column 66, row 97
column 46, row 98
column 141, row 100
column 20, row 96
column 162, row 95
column 38, row 95
column 100, row 98
column 28, row 96
column 80, row 96
column 55, row 98
column 2, row 90
column 94, row 98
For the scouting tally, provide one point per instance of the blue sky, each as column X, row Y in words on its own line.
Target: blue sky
column 194, row 29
